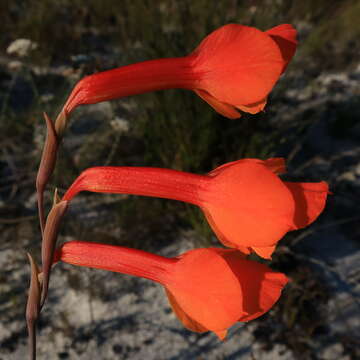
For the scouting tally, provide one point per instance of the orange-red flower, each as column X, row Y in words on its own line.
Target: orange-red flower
column 235, row 67
column 208, row 289
column 247, row 205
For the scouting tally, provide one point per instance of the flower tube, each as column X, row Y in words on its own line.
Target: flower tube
column 247, row 205
column 234, row 68
column 208, row 289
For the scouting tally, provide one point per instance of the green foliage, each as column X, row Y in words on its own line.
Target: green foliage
column 336, row 35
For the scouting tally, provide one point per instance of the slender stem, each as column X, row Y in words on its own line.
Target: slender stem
column 32, row 340
column 133, row 79
column 118, row 259
column 33, row 307
column 146, row 181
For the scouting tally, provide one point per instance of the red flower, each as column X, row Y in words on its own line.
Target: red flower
column 235, row 67
column 247, row 205
column 208, row 289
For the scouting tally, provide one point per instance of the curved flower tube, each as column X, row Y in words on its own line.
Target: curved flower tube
column 247, row 205
column 208, row 289
column 235, row 67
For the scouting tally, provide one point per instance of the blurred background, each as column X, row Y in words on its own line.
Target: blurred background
column 312, row 119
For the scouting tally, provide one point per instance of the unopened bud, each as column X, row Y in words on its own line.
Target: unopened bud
column 46, row 168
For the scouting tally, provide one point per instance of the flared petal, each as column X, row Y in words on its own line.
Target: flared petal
column 253, row 108
column 221, row 334
column 285, row 37
column 310, row 200
column 271, row 287
column 260, row 285
column 275, row 165
column 249, row 205
column 185, row 319
column 264, row 252
column 243, row 249
column 228, row 110
column 238, row 64
column 222, row 108
column 206, row 289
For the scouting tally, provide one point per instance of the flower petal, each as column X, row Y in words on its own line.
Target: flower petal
column 285, row 36
column 264, row 252
column 310, row 199
column 206, row 289
column 248, row 204
column 244, row 58
column 186, row 320
column 253, row 108
column 243, row 249
column 275, row 165
column 222, row 108
column 270, row 288
column 221, row 334
column 260, row 285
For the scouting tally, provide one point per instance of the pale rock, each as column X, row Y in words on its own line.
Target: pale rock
column 120, row 125
column 21, row 47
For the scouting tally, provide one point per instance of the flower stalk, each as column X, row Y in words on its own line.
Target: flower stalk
column 33, row 306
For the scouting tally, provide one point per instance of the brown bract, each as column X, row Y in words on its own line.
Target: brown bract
column 46, row 167
column 49, row 243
